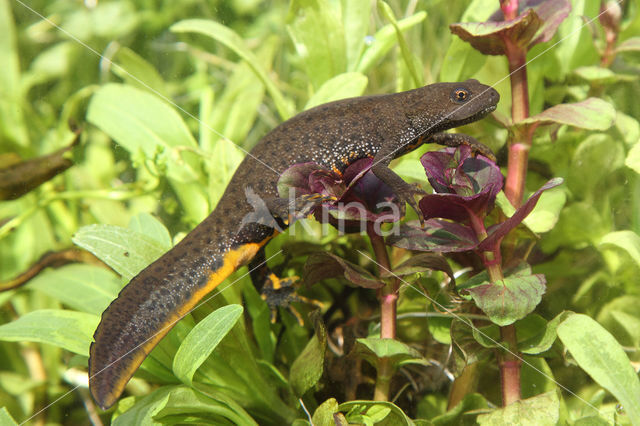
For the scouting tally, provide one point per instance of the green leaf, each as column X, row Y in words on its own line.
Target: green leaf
column 148, row 225
column 384, row 40
column 202, row 340
column 633, row 158
column 464, row 412
column 317, row 33
column 512, row 298
column 69, row 330
column 629, row 45
column 346, row 85
column 136, row 71
column 144, row 409
column 201, row 406
column 536, row 335
column 598, row 76
column 590, row 114
column 85, row 288
column 145, row 122
column 5, row 418
column 540, row 410
column 12, row 126
column 126, row 251
column 627, row 240
column 373, row 348
column 307, row 368
column 323, row 416
column 599, row 354
column 380, row 413
column 233, row 41
column 356, row 20
column 422, row 262
column 411, row 61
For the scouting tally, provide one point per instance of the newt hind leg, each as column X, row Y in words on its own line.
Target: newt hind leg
column 277, row 292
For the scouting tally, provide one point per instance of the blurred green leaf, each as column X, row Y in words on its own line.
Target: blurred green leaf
column 381, row 413
column 599, row 354
column 139, row 73
column 6, row 419
column 540, row 410
column 627, row 240
column 148, row 225
column 202, row 340
column 69, row 330
column 85, row 288
column 356, row 21
column 464, row 412
column 316, row 29
column 346, row 85
column 126, row 251
column 383, row 41
column 233, row 41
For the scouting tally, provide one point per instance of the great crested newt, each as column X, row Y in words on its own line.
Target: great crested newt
column 332, row 135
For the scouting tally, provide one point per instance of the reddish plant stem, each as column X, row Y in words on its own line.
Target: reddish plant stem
column 521, row 143
column 388, row 296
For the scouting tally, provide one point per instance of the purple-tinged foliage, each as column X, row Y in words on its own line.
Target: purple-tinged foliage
column 536, row 23
column 359, row 195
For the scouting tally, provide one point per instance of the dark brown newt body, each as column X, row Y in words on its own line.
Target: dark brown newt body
column 333, row 135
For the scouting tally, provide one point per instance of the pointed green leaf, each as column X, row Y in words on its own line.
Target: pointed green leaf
column 591, row 114
column 599, row 354
column 233, row 41
column 69, row 330
column 307, row 368
column 6, row 419
column 148, row 225
column 202, row 340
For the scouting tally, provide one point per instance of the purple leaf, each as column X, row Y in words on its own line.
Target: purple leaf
column 323, row 265
column 497, row 232
column 537, row 23
column 510, row 299
column 297, row 177
column 437, row 235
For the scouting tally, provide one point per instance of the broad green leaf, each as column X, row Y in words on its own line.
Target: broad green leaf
column 603, row 154
column 307, row 368
column 202, row 340
column 541, row 334
column 148, row 225
column 599, row 354
column 6, row 419
column 373, row 348
column 142, row 412
column 82, row 287
column 536, row 376
column 136, row 71
column 199, row 406
column 512, row 298
column 323, row 416
column 380, row 413
column 590, row 114
column 126, row 251
column 12, row 124
column 383, row 41
column 627, row 240
column 540, row 410
column 315, row 27
column 629, row 45
column 139, row 120
column 598, row 76
column 346, row 85
column 69, row 330
column 233, row 41
column 356, row 20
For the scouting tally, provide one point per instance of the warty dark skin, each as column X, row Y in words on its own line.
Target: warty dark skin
column 333, row 135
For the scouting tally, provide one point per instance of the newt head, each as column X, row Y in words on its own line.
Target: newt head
column 443, row 106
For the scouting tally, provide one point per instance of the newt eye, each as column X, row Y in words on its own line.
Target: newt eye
column 460, row 95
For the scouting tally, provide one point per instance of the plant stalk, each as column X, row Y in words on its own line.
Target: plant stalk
column 388, row 296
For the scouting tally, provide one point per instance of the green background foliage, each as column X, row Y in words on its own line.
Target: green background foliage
column 171, row 94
